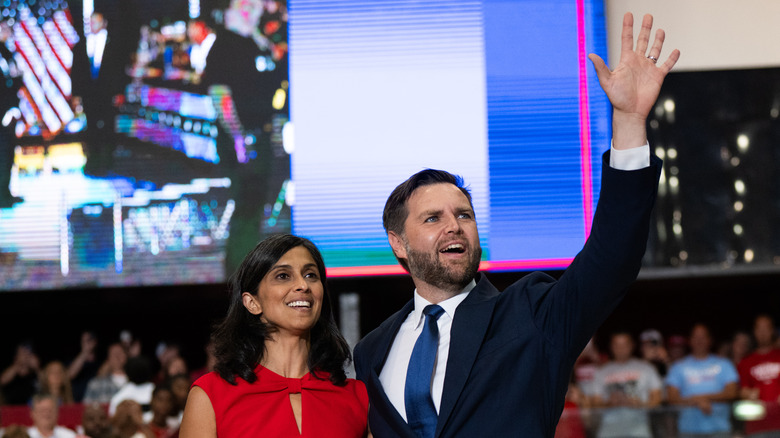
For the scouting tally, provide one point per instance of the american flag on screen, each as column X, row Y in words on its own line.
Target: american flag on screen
column 43, row 43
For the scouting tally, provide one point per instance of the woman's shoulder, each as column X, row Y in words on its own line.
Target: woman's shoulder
column 358, row 388
column 211, row 382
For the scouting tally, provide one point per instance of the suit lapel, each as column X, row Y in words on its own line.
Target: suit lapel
column 472, row 318
column 379, row 355
column 378, row 358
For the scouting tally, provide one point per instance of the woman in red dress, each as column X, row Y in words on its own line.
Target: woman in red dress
column 280, row 356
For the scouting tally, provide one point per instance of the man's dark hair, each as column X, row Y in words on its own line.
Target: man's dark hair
column 239, row 340
column 396, row 211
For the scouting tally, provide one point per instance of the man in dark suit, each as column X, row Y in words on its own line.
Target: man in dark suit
column 223, row 58
column 501, row 361
column 98, row 77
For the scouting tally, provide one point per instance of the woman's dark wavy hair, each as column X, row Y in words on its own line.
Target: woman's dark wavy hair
column 239, row 340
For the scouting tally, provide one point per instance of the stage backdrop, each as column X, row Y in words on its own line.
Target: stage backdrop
column 186, row 167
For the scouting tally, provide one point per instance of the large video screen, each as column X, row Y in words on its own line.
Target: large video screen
column 154, row 143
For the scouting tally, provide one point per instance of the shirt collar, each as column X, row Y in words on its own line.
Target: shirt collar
column 449, row 305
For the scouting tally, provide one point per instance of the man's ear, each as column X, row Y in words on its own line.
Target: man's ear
column 251, row 304
column 397, row 243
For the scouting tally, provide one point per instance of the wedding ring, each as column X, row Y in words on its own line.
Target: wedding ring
column 652, row 58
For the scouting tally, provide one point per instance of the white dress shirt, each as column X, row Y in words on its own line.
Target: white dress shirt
column 393, row 374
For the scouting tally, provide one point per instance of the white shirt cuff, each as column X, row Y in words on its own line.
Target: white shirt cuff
column 630, row 159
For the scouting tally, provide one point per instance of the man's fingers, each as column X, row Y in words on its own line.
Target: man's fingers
column 670, row 61
column 602, row 71
column 658, row 44
column 627, row 36
column 644, row 34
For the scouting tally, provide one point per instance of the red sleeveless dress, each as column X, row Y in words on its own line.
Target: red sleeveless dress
column 263, row 409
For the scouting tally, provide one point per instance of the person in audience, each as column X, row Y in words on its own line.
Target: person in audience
column 740, row 346
column 95, row 422
column 168, row 354
column 19, row 381
column 54, row 381
column 626, row 387
column 585, row 369
column 128, row 421
column 180, row 388
column 677, row 348
column 162, row 407
column 174, row 366
column 703, row 385
column 14, row 431
column 139, row 386
column 84, row 367
column 110, row 378
column 130, row 343
column 759, row 376
column 45, row 413
column 652, row 350
column 280, row 356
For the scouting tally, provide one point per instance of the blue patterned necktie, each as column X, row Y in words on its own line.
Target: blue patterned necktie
column 420, row 411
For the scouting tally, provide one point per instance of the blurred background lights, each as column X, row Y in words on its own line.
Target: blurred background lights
column 743, row 142
column 288, row 138
column 739, row 186
column 289, row 197
column 748, row 410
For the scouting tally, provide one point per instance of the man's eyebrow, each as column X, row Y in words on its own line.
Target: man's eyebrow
column 430, row 212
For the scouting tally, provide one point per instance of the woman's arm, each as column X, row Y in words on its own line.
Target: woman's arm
column 198, row 420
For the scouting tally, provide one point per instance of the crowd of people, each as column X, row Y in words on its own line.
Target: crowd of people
column 118, row 390
column 647, row 385
column 650, row 386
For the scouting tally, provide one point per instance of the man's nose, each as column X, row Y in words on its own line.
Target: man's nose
column 452, row 225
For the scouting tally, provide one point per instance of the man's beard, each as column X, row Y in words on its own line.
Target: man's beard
column 428, row 268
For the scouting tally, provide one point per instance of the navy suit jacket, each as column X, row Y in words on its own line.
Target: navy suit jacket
column 512, row 352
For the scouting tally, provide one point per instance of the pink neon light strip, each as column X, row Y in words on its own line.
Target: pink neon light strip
column 513, row 265
column 585, row 163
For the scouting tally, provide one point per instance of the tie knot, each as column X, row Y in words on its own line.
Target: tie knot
column 433, row 310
